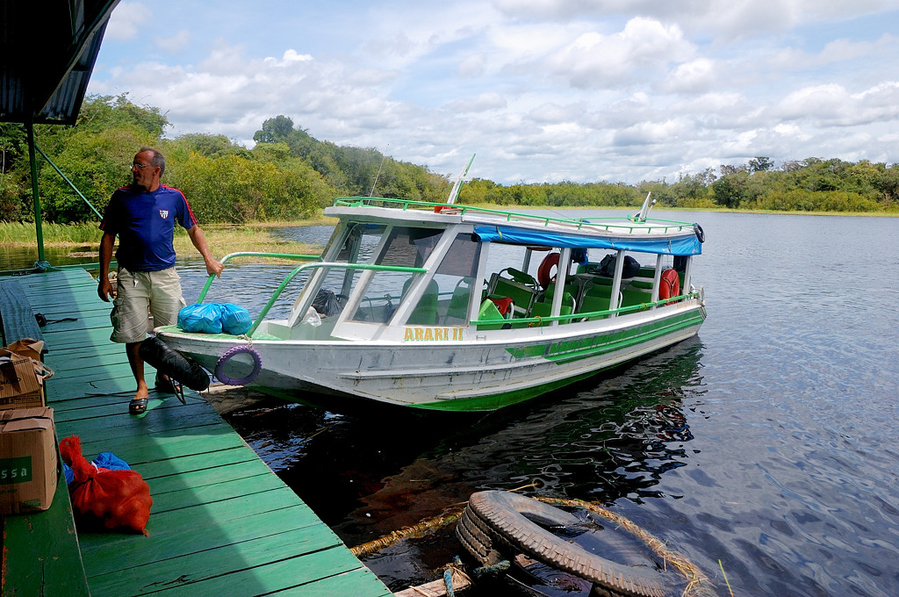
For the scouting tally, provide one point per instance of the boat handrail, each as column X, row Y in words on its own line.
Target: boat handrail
column 326, row 264
column 580, row 316
column 230, row 256
column 664, row 226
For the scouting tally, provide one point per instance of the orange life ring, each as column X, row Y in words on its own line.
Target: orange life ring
column 543, row 272
column 670, row 285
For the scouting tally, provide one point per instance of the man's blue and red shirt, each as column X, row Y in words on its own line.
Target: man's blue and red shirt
column 145, row 224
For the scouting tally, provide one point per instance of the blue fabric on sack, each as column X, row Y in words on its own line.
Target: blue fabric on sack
column 215, row 318
column 201, row 317
column 235, row 320
column 106, row 460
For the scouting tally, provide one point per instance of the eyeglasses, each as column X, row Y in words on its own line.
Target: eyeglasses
column 139, row 166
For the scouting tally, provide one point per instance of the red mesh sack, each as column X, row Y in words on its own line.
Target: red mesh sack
column 116, row 498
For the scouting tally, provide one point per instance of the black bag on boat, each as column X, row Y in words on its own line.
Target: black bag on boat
column 326, row 303
column 607, row 267
column 174, row 364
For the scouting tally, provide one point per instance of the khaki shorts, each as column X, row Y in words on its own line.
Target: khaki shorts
column 140, row 292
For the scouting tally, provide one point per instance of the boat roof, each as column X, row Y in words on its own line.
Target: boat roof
column 490, row 225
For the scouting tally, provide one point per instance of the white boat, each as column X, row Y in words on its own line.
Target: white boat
column 457, row 308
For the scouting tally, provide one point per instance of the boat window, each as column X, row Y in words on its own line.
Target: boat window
column 455, row 279
column 404, row 247
column 359, row 243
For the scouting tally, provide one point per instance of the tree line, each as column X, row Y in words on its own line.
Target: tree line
column 289, row 175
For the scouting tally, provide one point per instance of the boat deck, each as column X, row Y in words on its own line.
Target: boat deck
column 221, row 523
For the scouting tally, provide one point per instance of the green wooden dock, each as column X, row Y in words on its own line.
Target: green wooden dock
column 221, row 523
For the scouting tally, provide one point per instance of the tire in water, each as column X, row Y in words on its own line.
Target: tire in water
column 500, row 516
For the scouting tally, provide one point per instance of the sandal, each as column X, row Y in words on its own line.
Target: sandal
column 137, row 406
column 167, row 385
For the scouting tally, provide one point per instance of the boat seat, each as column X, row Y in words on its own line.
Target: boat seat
column 592, row 304
column 488, row 311
column 631, row 297
column 425, row 312
column 521, row 288
column 457, row 310
column 543, row 308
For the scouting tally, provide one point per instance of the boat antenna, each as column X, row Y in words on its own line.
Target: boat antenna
column 462, row 177
column 371, row 193
column 644, row 211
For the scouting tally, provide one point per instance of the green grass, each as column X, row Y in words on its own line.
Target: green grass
column 223, row 239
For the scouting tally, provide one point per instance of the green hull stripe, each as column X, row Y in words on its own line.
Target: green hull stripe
column 575, row 350
column 566, row 352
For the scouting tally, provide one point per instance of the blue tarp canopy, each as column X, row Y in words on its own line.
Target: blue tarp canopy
column 680, row 245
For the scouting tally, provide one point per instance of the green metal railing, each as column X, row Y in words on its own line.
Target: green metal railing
column 536, row 321
column 303, row 268
column 230, row 256
column 664, row 226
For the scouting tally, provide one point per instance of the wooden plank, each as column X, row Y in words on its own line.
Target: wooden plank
column 226, row 488
column 437, row 588
column 251, row 568
column 357, row 583
column 209, row 476
column 41, row 551
column 246, row 535
column 187, row 463
column 222, row 522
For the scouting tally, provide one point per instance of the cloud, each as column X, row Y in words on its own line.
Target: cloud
column 643, row 48
column 173, row 44
column 127, row 20
column 541, row 90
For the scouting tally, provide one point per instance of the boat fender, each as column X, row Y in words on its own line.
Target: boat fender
column 669, row 286
column 699, row 232
column 497, row 518
column 544, row 272
column 173, row 364
column 230, row 354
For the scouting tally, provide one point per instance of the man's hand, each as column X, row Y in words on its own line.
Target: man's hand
column 214, row 266
column 104, row 289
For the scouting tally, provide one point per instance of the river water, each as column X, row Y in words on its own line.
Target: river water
column 767, row 447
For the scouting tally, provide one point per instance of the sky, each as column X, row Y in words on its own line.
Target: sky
column 541, row 90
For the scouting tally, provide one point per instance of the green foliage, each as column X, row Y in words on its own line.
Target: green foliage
column 290, row 175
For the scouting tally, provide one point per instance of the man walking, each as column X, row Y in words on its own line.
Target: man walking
column 143, row 216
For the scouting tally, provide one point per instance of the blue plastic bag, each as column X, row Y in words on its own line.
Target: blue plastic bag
column 205, row 318
column 235, row 320
column 106, row 460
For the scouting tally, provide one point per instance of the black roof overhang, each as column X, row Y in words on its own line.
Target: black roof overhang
column 47, row 52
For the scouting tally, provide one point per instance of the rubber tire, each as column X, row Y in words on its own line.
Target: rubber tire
column 229, row 354
column 503, row 513
column 473, row 534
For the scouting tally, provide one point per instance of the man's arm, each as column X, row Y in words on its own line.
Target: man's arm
column 213, row 266
column 104, row 288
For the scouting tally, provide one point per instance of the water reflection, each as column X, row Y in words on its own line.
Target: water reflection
column 602, row 440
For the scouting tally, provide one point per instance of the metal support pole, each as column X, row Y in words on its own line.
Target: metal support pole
column 35, row 191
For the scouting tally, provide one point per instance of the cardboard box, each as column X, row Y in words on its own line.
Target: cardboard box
column 28, row 347
column 21, row 381
column 28, row 463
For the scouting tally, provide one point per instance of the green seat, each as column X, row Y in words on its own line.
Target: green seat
column 631, row 297
column 523, row 295
column 592, row 304
column 457, row 310
column 488, row 311
column 425, row 312
column 544, row 308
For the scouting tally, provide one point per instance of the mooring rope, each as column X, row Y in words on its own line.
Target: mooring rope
column 696, row 580
column 688, row 569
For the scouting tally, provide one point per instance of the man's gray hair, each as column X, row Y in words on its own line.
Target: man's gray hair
column 157, row 160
